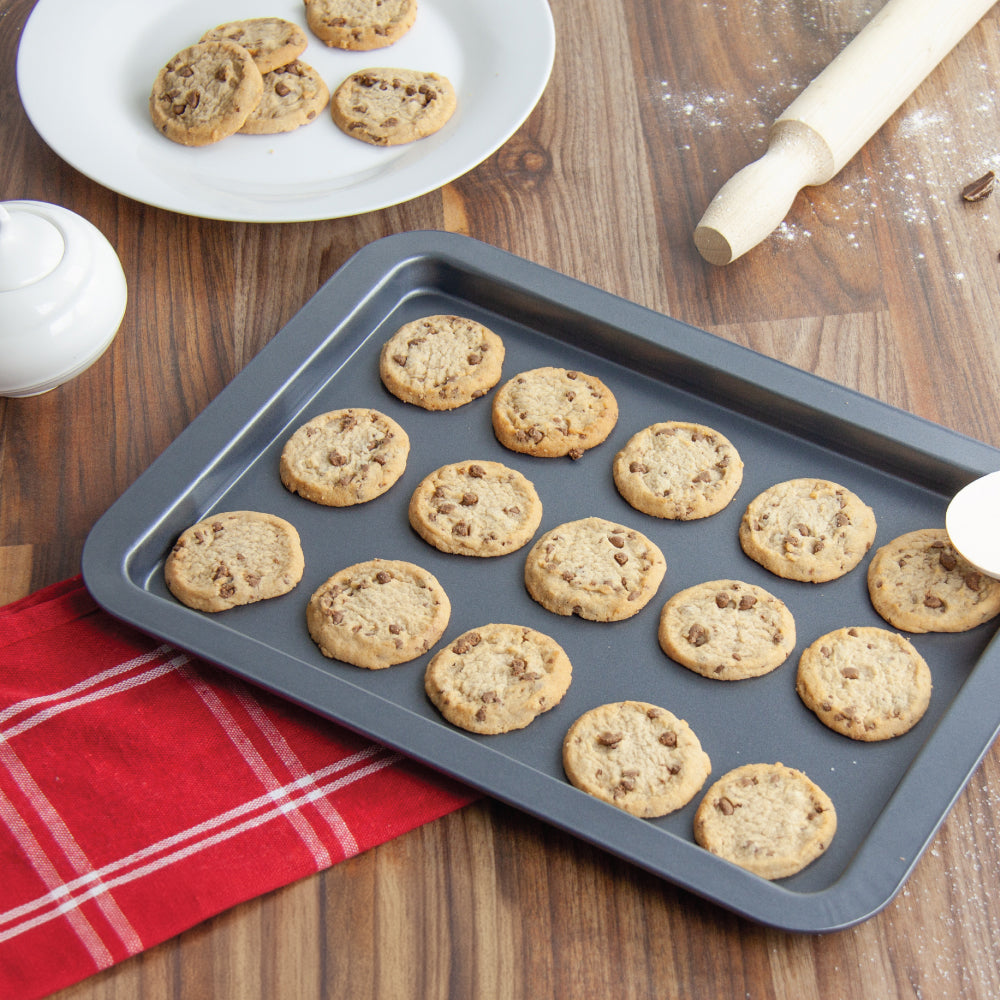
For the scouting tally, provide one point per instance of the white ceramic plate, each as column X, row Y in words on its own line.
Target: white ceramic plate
column 498, row 56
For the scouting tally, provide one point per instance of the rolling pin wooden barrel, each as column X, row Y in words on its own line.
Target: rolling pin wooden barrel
column 833, row 118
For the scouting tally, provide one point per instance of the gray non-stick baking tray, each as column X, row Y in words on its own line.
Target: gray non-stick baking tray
column 890, row 797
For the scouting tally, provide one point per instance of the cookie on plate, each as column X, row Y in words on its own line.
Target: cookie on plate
column 919, row 582
column 636, row 756
column 272, row 41
column 360, row 25
column 344, row 457
column 768, row 818
column 390, row 107
column 497, row 678
column 475, row 509
column 550, row 412
column 864, row 682
column 378, row 613
column 441, row 362
column 233, row 558
column 727, row 630
column 812, row 530
column 678, row 470
column 594, row 568
column 205, row 93
column 294, row 95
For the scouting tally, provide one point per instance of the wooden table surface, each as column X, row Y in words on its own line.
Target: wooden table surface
column 883, row 280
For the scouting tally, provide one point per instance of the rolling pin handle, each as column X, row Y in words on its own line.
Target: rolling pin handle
column 753, row 203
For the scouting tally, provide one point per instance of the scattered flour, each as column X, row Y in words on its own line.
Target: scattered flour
column 918, row 182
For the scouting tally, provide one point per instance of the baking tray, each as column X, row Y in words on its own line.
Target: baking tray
column 890, row 796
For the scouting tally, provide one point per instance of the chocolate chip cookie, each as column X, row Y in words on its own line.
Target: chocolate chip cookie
column 391, row 106
column 919, row 582
column 378, row 613
column 233, row 558
column 360, row 25
column 727, row 630
column 441, row 362
column 205, row 93
column 768, row 818
column 678, row 470
column 475, row 509
column 550, row 412
column 293, row 95
column 812, row 530
column 636, row 756
column 345, row 457
column 594, row 568
column 497, row 678
column 863, row 682
column 273, row 42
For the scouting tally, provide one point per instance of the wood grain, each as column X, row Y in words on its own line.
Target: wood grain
column 882, row 280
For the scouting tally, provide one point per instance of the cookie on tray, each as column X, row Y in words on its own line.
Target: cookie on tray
column 636, row 756
column 919, row 582
column 812, row 530
column 389, row 107
column 550, row 412
column 273, row 42
column 205, row 93
column 678, row 470
column 497, row 678
column 441, row 362
column 864, row 682
column 294, row 95
column 475, row 509
column 594, row 568
column 378, row 613
column 345, row 457
column 768, row 818
column 360, row 25
column 727, row 630
column 233, row 558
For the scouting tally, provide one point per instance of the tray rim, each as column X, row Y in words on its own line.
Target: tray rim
column 849, row 900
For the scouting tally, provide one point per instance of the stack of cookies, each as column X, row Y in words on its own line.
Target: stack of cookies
column 247, row 77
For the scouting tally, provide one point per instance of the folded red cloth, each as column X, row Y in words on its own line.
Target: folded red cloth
column 142, row 791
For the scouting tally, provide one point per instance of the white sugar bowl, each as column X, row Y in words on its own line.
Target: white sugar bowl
column 62, row 296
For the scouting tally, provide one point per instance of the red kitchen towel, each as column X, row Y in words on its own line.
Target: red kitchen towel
column 142, row 791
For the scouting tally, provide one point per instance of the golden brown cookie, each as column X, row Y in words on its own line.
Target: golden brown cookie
column 378, row 613
column 345, row 457
column 475, row 509
column 205, row 93
column 232, row 558
column 360, row 25
column 636, row 756
column 441, row 362
column 727, row 630
column 812, row 530
column 294, row 95
column 594, row 568
column 497, row 678
column 271, row 41
column 767, row 818
column 919, row 582
column 866, row 683
column 678, row 470
column 550, row 412
column 389, row 107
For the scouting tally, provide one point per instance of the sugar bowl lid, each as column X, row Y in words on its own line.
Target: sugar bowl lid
column 62, row 296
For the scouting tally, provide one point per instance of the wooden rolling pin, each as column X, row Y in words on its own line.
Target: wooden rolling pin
column 833, row 118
